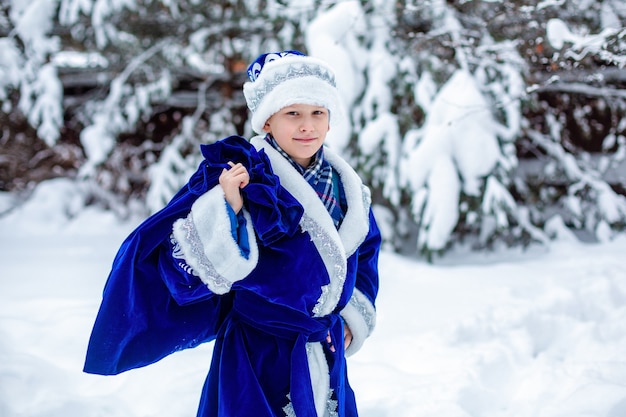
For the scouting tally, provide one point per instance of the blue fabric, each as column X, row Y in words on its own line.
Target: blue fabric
column 238, row 230
column 139, row 321
column 257, row 66
column 330, row 190
column 290, row 330
column 274, row 211
column 153, row 306
column 144, row 316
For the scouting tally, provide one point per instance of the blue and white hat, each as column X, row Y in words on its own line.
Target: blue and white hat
column 280, row 79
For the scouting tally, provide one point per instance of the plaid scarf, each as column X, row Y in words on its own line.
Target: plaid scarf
column 319, row 174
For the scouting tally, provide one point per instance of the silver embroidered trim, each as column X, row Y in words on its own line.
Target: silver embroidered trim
column 293, row 71
column 177, row 253
column 367, row 200
column 332, row 405
column 366, row 311
column 288, row 409
column 335, row 264
column 367, row 203
column 204, row 268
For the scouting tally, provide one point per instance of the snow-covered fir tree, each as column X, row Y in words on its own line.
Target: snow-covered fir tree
column 480, row 123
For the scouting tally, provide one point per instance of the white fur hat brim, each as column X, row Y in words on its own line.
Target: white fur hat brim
column 292, row 80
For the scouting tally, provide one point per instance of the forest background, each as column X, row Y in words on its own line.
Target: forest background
column 477, row 124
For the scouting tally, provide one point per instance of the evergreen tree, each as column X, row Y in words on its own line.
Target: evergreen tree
column 482, row 122
column 448, row 156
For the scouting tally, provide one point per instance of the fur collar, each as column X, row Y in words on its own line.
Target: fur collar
column 355, row 225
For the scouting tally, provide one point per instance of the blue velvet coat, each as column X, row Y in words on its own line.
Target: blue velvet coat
column 181, row 279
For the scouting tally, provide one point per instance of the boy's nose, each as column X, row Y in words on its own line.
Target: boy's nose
column 306, row 125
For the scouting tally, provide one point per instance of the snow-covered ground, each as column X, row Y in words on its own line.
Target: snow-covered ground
column 536, row 334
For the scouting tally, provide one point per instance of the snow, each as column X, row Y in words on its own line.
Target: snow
column 33, row 22
column 458, row 150
column 10, row 68
column 559, row 34
column 76, row 59
column 331, row 40
column 503, row 334
column 458, row 147
column 46, row 112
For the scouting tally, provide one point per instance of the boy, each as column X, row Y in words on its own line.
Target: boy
column 271, row 250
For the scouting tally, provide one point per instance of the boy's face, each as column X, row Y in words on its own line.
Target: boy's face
column 300, row 130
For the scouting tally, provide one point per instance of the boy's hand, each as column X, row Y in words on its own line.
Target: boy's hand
column 232, row 180
column 347, row 338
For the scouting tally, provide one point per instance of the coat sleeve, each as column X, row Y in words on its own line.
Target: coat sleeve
column 360, row 312
column 160, row 296
column 205, row 241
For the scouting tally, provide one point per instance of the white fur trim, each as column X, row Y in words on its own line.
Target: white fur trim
column 307, row 90
column 300, row 189
column 320, row 376
column 318, row 222
column 355, row 225
column 360, row 316
column 206, row 241
column 292, row 80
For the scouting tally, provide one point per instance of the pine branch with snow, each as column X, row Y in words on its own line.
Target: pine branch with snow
column 480, row 122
